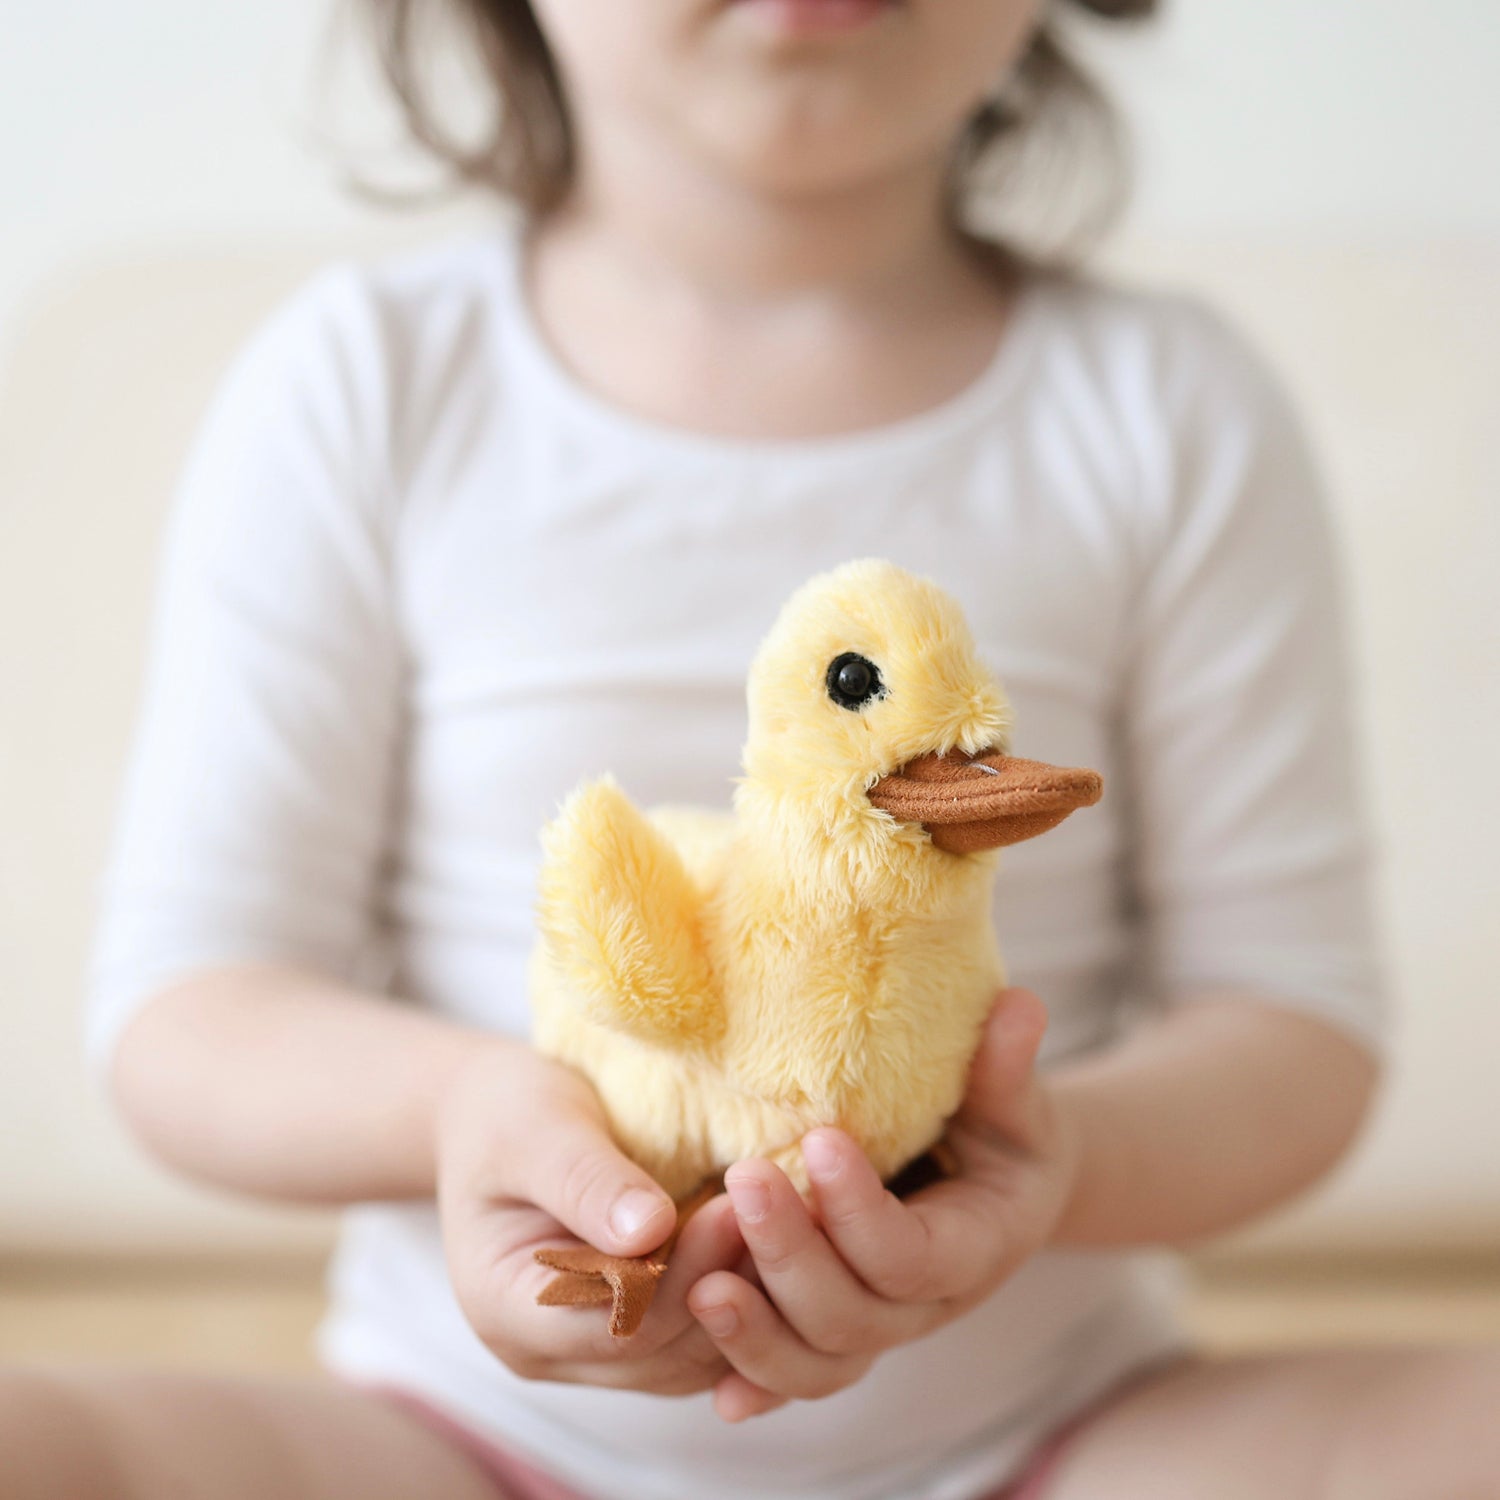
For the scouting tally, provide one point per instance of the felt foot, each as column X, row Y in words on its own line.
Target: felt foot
column 624, row 1284
column 590, row 1278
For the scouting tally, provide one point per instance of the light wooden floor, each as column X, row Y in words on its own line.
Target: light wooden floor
column 258, row 1318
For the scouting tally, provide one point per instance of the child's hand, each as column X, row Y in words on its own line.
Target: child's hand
column 525, row 1160
column 871, row 1271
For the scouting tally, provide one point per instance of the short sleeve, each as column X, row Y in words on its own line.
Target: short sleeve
column 256, row 800
column 1253, row 863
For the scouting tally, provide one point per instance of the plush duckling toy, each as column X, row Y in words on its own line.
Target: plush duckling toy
column 824, row 954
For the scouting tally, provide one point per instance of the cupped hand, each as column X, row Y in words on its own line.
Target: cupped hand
column 525, row 1160
column 862, row 1271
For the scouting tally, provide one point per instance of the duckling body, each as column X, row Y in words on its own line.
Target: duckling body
column 790, row 1012
column 823, row 955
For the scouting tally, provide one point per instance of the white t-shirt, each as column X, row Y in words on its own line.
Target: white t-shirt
column 419, row 583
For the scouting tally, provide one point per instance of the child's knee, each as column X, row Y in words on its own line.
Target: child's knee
column 1427, row 1426
column 57, row 1438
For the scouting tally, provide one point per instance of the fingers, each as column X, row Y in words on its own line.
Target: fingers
column 577, row 1174
column 525, row 1161
column 999, row 1100
column 710, row 1242
column 497, row 1281
column 883, row 1242
column 763, row 1348
column 940, row 1246
column 825, row 1303
column 736, row 1398
column 670, row 1355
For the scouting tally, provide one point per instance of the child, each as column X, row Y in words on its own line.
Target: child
column 463, row 529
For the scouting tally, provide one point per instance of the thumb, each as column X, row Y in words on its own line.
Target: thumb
column 580, row 1176
column 1002, row 1094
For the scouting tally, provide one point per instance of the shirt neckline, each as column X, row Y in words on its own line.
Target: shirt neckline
column 984, row 394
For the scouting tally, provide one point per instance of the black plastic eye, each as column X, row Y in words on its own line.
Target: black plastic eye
column 853, row 680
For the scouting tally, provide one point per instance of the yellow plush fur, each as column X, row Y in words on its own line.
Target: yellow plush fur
column 728, row 981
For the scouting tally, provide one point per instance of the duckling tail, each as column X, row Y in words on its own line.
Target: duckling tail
column 619, row 916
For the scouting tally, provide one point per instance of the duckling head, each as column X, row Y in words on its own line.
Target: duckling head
column 878, row 749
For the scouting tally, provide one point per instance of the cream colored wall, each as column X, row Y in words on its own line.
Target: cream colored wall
column 103, row 387
column 1326, row 171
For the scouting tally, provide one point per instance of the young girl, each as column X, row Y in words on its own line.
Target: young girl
column 464, row 528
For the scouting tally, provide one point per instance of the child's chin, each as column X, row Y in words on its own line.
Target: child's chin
column 805, row 135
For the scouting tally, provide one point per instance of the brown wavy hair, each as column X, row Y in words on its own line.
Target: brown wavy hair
column 1041, row 167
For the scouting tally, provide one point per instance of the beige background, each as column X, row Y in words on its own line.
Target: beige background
column 1320, row 173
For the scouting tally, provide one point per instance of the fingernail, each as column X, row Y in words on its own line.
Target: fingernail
column 721, row 1320
column 633, row 1210
column 821, row 1155
column 751, row 1198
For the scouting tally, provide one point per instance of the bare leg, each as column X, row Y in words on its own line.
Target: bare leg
column 145, row 1436
column 1418, row 1424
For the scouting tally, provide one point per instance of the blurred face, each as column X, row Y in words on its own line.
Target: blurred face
column 786, row 95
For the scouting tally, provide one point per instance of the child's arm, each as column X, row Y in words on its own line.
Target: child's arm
column 281, row 1082
column 1224, row 1109
column 291, row 1085
column 246, row 886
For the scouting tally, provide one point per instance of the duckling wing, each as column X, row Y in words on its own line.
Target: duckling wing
column 621, row 921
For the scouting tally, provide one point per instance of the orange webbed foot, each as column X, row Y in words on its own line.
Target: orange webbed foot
column 590, row 1278
column 625, row 1284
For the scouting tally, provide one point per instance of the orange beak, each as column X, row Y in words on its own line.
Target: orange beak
column 985, row 801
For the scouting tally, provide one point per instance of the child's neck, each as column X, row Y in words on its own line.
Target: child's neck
column 705, row 301
column 675, row 220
